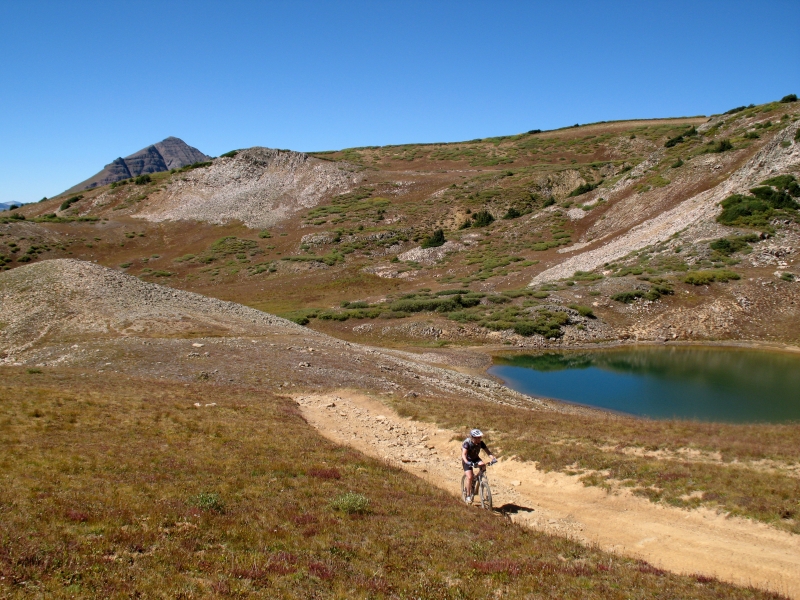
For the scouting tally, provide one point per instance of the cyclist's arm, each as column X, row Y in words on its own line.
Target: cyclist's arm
column 464, row 455
column 489, row 452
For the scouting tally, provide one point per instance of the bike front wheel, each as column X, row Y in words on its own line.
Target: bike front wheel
column 486, row 495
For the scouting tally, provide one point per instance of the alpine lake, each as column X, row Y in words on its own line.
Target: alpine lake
column 665, row 382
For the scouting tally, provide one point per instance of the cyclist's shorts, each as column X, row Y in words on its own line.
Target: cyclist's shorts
column 467, row 467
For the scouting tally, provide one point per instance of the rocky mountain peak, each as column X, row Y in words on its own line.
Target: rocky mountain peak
column 169, row 153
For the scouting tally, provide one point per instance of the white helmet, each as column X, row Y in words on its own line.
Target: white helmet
column 476, row 433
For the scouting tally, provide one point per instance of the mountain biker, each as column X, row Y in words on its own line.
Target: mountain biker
column 470, row 457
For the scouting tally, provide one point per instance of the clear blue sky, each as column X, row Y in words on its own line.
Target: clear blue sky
column 84, row 82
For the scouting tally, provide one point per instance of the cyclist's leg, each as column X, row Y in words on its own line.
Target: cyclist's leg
column 468, row 481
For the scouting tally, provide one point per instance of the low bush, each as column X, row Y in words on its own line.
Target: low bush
column 351, row 503
column 628, row 297
column 676, row 164
column 786, row 183
column 789, row 98
column 208, row 502
column 731, row 245
column 707, row 277
column 733, row 111
column 69, row 202
column 583, row 189
column 512, row 213
column 427, row 303
column 230, row 154
column 546, row 323
column 482, row 218
column 720, row 146
column 756, row 210
column 143, row 179
column 583, row 311
column 745, row 211
column 679, row 139
column 435, row 240
column 192, row 166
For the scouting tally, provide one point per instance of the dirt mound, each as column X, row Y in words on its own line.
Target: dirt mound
column 258, row 186
column 72, row 299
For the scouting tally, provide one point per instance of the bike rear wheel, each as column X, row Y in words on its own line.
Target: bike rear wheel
column 486, row 495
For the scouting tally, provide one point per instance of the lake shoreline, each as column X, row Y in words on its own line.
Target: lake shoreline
column 720, row 382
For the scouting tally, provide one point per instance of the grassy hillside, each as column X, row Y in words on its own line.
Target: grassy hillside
column 510, row 209
column 120, row 487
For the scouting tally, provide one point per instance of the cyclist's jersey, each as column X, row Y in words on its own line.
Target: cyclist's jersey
column 474, row 450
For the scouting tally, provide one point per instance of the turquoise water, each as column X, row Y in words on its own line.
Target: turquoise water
column 707, row 384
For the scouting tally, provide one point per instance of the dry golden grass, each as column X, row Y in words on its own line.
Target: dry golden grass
column 598, row 447
column 120, row 487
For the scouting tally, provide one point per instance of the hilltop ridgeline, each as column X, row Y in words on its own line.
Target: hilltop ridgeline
column 170, row 153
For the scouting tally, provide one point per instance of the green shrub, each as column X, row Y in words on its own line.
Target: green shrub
column 208, row 502
column 797, row 136
column 586, row 276
column 546, row 323
column 435, row 240
column 745, row 211
column 707, row 277
column 676, row 164
column 734, row 110
column 628, row 297
column 482, row 218
column 549, row 202
column 125, row 265
column 427, row 303
column 583, row 311
column 721, row 146
column 788, row 277
column 230, row 154
column 583, row 189
column 196, row 165
column 512, row 213
column 786, row 183
column 143, row 179
column 789, row 98
column 730, row 245
column 679, row 139
column 69, row 202
column 351, row 503
column 34, row 371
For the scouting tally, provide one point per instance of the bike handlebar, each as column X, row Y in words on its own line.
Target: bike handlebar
column 489, row 464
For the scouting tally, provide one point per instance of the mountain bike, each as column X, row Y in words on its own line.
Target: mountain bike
column 480, row 487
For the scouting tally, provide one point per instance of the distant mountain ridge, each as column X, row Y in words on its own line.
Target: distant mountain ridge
column 7, row 205
column 170, row 153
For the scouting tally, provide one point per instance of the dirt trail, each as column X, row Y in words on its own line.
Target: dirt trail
column 699, row 541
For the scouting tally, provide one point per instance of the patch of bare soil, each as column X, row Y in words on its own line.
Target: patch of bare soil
column 698, row 541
